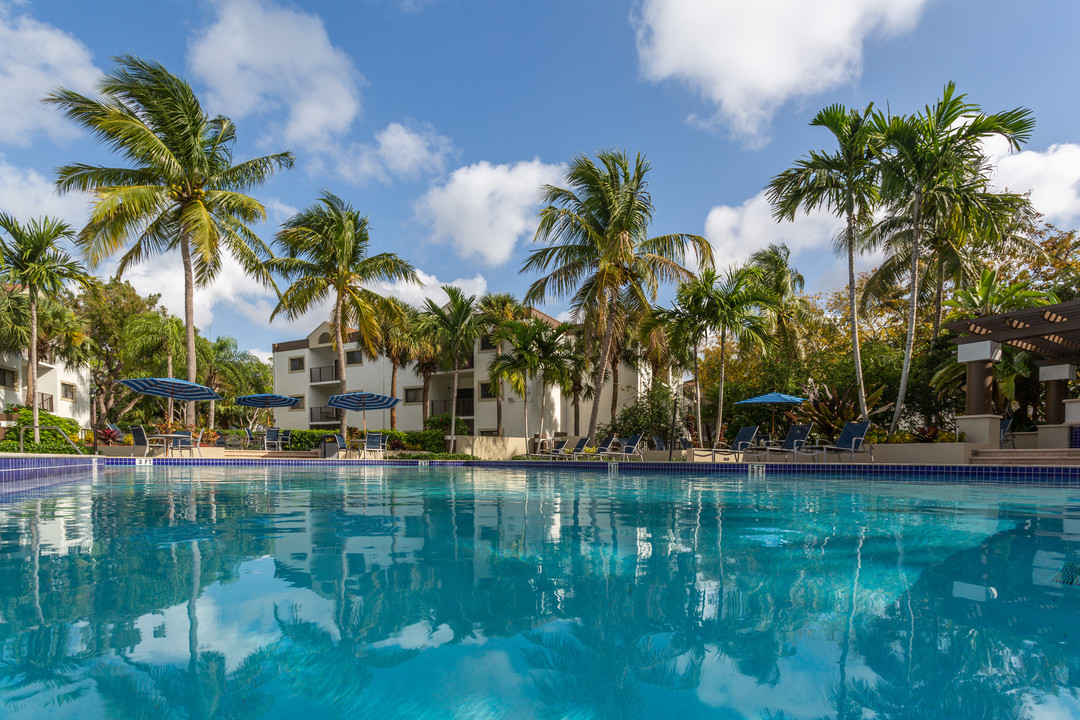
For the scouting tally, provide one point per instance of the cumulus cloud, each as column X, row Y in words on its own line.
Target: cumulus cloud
column 36, row 58
column 430, row 287
column 482, row 210
column 25, row 194
column 737, row 232
column 398, row 152
column 1052, row 177
column 258, row 57
column 749, row 58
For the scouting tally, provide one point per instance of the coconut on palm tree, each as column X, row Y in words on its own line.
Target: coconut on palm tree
column 181, row 190
column 598, row 250
column 325, row 256
column 33, row 259
column 458, row 326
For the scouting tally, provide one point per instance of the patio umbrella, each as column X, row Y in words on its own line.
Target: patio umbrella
column 363, row 401
column 171, row 388
column 266, row 400
column 773, row 398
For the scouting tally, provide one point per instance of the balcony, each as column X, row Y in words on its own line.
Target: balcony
column 325, row 414
column 327, row 373
column 45, row 402
column 464, row 407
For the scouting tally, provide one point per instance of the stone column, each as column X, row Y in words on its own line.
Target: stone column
column 1057, row 379
column 979, row 358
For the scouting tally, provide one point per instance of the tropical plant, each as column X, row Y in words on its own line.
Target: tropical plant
column 519, row 363
column 792, row 313
column 554, row 359
column 990, row 297
column 325, row 256
column 829, row 409
column 498, row 309
column 222, row 369
column 148, row 338
column 427, row 359
column 182, row 190
column 32, row 259
column 598, row 249
column 934, row 172
column 845, row 182
column 398, row 322
column 458, row 326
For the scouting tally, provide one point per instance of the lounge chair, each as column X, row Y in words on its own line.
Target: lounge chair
column 140, row 440
column 286, row 439
column 794, row 441
column 604, row 446
column 374, row 445
column 743, row 439
column 658, row 443
column 852, row 440
column 1007, row 435
column 272, row 439
column 575, row 452
column 553, row 451
column 686, row 444
column 630, row 448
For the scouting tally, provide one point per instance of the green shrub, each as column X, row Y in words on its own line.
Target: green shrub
column 51, row 441
column 436, row 456
column 429, row 440
column 442, row 424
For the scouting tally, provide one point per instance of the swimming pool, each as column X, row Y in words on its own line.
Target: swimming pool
column 499, row 593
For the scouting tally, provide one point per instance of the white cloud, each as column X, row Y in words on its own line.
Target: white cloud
column 258, row 57
column 749, row 58
column 278, row 211
column 1052, row 177
column 484, row 209
column 35, row 59
column 429, row 287
column 264, row 355
column 25, row 194
column 737, row 232
column 398, row 152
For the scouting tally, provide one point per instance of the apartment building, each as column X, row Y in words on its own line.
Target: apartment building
column 308, row 369
column 61, row 390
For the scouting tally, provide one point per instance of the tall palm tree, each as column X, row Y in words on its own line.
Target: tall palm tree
column 554, row 358
column 181, row 191
column 598, row 249
column 793, row 313
column 934, row 168
column 846, row 182
column 459, row 326
column 427, row 358
column 325, row 256
column 397, row 339
column 734, row 306
column 519, row 363
column 147, row 337
column 222, row 366
column 32, row 258
column 496, row 310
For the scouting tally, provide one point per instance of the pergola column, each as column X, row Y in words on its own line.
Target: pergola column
column 1056, row 378
column 979, row 358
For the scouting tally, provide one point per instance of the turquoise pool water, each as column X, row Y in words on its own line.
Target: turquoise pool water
column 477, row 593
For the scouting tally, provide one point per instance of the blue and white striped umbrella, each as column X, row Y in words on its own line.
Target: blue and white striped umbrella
column 363, row 401
column 171, row 388
column 267, row 400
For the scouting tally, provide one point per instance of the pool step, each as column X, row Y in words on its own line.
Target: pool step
column 1044, row 457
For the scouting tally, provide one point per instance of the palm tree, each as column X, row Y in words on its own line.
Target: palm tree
column 599, row 250
column 554, row 359
column 149, row 335
column 459, row 326
column 793, row 312
column 182, row 190
column 33, row 259
column 325, row 256
column 223, row 367
column 519, row 363
column 397, row 339
column 844, row 181
column 736, row 305
column 496, row 310
column 934, row 168
column 427, row 358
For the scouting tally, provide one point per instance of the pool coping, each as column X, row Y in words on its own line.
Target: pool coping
column 59, row 468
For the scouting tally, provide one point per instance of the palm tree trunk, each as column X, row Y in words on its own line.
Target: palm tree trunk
column 339, row 338
column 543, row 404
column 169, row 403
column 939, row 299
column 213, row 412
column 453, row 410
column 427, row 398
column 193, row 618
column 614, row 388
column 605, row 355
column 856, row 350
column 577, row 412
column 498, row 396
column 189, row 322
column 31, row 370
column 697, row 395
column 909, row 343
column 393, row 393
column 720, row 398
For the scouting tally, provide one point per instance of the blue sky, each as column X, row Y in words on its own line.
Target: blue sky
column 441, row 120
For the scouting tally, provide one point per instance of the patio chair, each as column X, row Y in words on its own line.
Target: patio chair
column 250, row 441
column 793, row 442
column 852, row 440
column 629, row 449
column 604, row 446
column 575, row 452
column 743, row 439
column 140, row 440
column 191, row 444
column 342, row 446
column 686, row 444
column 553, row 451
column 272, row 439
column 374, row 444
column 285, row 440
column 1007, row 435
column 658, row 443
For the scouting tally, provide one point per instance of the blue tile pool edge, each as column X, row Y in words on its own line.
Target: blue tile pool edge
column 60, row 468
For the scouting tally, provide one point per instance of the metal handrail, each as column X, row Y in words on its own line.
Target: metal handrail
column 63, row 434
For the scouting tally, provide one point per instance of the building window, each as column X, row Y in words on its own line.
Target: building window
column 296, row 364
column 485, row 342
column 489, row 433
column 414, row 395
column 324, row 339
column 7, row 378
column 488, row 391
column 299, row 405
column 354, row 357
column 67, row 391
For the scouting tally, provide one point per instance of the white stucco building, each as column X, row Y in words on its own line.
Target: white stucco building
column 61, row 390
column 308, row 369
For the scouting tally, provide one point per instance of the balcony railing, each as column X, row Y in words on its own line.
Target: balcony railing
column 464, row 407
column 325, row 414
column 45, row 402
column 327, row 373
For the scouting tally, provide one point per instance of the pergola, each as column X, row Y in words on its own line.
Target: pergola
column 1050, row 331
